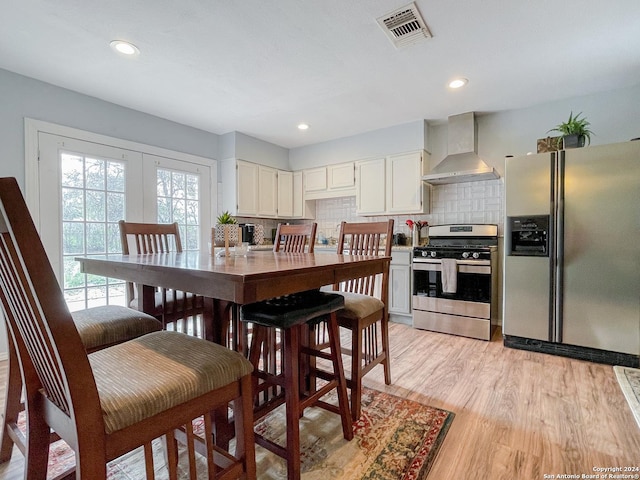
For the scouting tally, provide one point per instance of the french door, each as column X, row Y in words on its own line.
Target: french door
column 85, row 188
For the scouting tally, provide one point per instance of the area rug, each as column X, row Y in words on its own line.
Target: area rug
column 629, row 380
column 394, row 439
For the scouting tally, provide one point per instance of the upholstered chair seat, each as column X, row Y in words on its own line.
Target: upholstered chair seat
column 111, row 324
column 163, row 370
column 357, row 305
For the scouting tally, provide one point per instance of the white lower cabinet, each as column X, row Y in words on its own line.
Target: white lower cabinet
column 400, row 287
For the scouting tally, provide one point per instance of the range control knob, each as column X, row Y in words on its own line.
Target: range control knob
column 433, row 253
column 476, row 255
column 424, row 253
column 465, row 254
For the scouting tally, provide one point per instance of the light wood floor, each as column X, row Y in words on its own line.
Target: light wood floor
column 518, row 415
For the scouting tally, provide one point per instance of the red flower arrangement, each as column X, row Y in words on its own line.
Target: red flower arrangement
column 418, row 223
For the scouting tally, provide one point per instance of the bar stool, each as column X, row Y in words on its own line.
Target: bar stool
column 294, row 315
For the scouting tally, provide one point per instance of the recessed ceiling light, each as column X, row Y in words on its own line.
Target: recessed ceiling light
column 125, row 48
column 303, row 126
column 458, row 82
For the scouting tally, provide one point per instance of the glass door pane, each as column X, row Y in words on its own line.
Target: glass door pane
column 86, row 188
column 181, row 194
column 80, row 212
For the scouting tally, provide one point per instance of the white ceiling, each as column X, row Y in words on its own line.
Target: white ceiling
column 260, row 67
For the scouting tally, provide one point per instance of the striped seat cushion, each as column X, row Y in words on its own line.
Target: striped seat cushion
column 357, row 305
column 158, row 371
column 110, row 324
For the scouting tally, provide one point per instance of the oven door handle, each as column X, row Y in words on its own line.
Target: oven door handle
column 436, row 266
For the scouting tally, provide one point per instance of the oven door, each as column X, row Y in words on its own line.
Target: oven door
column 472, row 296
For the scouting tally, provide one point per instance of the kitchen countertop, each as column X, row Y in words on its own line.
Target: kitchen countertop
column 330, row 248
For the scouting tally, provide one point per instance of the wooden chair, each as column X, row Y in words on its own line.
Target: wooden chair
column 365, row 305
column 294, row 238
column 110, row 402
column 175, row 309
column 98, row 327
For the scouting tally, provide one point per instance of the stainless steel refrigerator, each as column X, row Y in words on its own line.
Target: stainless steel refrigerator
column 572, row 253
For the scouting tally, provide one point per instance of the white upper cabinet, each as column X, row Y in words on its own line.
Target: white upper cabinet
column 250, row 190
column 301, row 208
column 246, row 192
column 341, row 176
column 315, row 180
column 406, row 192
column 392, row 185
column 285, row 194
column 267, row 192
column 329, row 182
column 370, row 186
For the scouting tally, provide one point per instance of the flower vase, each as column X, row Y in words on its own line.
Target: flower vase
column 415, row 237
column 424, row 239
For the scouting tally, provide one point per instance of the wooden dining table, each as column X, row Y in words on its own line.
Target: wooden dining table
column 231, row 280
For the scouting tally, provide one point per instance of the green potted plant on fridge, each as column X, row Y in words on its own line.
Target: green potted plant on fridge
column 574, row 132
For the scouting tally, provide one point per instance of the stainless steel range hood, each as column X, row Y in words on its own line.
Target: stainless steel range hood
column 462, row 164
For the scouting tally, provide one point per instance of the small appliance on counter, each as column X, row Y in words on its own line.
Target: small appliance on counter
column 248, row 230
column 253, row 234
column 399, row 239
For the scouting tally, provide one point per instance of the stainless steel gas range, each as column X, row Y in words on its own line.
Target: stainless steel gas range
column 455, row 280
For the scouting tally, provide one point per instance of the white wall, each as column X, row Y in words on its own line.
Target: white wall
column 259, row 151
column 386, row 141
column 22, row 97
column 613, row 115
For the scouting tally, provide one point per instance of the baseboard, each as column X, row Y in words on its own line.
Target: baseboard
column 573, row 351
column 403, row 319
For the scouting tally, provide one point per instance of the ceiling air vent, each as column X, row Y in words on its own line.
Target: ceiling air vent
column 404, row 26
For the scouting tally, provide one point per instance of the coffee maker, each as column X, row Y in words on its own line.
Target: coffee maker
column 248, row 229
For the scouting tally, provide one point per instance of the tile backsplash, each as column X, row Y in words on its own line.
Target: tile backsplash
column 469, row 202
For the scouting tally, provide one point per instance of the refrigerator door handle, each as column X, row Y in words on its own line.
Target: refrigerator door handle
column 559, row 249
column 553, row 169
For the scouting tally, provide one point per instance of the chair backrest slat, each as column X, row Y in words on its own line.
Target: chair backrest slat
column 51, row 354
column 148, row 238
column 20, row 305
column 294, row 238
column 365, row 238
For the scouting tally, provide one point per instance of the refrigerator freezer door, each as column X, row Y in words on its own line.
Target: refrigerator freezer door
column 526, row 288
column 602, row 248
column 528, row 185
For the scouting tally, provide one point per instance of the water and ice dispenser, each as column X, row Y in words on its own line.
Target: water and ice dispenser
column 528, row 236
